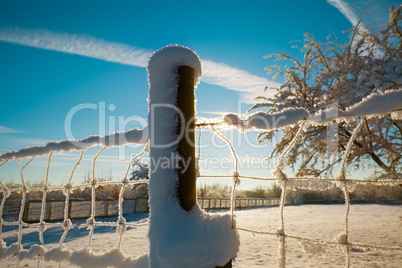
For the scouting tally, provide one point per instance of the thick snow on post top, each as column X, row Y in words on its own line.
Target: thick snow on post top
column 178, row 238
column 161, row 66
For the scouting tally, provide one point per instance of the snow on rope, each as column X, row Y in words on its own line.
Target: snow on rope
column 375, row 105
column 80, row 257
column 139, row 136
column 212, row 238
column 313, row 245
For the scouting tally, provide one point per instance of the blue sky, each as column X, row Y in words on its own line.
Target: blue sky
column 108, row 44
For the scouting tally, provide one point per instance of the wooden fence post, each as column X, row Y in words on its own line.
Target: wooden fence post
column 172, row 74
column 186, row 147
column 187, row 190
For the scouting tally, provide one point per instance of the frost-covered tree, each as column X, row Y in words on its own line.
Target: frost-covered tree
column 140, row 171
column 339, row 74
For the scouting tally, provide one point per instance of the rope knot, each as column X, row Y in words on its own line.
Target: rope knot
column 342, row 238
column 25, row 188
column 46, row 188
column 67, row 224
column 280, row 232
column 68, row 189
column 236, row 178
column 121, row 225
column 125, row 182
column 278, row 173
column 42, row 227
column 6, row 193
column 90, row 223
column 94, row 182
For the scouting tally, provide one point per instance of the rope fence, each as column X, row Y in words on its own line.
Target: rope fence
column 61, row 254
column 299, row 119
column 225, row 203
column 121, row 225
column 340, row 179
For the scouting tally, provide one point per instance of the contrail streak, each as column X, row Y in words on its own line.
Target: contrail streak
column 214, row 73
column 77, row 44
column 345, row 9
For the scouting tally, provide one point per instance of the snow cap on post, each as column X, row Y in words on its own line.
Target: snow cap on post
column 166, row 60
column 163, row 79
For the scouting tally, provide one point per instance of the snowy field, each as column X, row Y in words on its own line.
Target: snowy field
column 369, row 224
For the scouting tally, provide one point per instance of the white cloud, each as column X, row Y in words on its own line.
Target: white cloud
column 9, row 130
column 223, row 75
column 346, row 10
column 82, row 45
column 213, row 113
column 13, row 143
column 214, row 73
column 372, row 15
column 375, row 12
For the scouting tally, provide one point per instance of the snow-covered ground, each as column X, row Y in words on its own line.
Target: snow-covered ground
column 369, row 224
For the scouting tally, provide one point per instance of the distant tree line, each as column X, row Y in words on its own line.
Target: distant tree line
column 364, row 192
column 369, row 193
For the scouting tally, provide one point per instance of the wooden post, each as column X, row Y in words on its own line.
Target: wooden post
column 172, row 73
column 186, row 146
column 186, row 189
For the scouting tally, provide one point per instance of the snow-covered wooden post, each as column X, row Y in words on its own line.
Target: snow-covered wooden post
column 180, row 233
column 186, row 189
